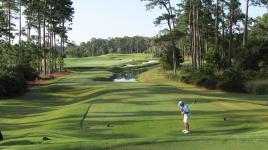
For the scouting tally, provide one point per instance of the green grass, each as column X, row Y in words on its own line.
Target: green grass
column 141, row 115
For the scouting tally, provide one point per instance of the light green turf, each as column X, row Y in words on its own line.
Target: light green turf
column 140, row 115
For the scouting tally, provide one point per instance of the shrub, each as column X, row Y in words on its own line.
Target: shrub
column 174, row 76
column 13, row 79
column 250, row 74
column 188, row 75
column 27, row 72
column 205, row 76
column 252, row 57
column 166, row 59
column 187, row 68
column 213, row 58
column 11, row 84
column 232, row 80
column 262, row 74
column 207, row 82
column 186, row 78
column 257, row 87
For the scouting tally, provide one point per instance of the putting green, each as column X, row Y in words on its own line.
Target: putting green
column 81, row 112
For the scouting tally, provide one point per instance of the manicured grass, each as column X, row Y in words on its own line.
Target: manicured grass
column 109, row 60
column 125, row 116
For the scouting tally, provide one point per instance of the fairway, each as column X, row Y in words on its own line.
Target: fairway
column 84, row 111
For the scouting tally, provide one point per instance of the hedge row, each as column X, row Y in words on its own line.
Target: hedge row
column 257, row 87
column 231, row 79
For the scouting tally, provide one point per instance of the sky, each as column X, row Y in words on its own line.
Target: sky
column 118, row 18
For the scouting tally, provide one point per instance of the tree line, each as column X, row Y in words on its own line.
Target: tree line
column 214, row 33
column 41, row 42
column 195, row 26
column 96, row 47
column 36, row 45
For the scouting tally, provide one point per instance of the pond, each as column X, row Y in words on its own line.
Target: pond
column 129, row 75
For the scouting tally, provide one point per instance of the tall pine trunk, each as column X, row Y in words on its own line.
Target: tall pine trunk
column 55, row 57
column 217, row 26
column 173, row 39
column 20, row 23
column 245, row 37
column 44, row 42
column 223, row 31
column 194, row 36
column 9, row 22
column 20, row 34
column 63, row 47
column 231, row 10
column 191, row 31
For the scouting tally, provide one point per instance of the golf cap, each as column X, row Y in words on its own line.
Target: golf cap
column 180, row 103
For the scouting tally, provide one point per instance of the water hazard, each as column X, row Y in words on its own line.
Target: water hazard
column 128, row 75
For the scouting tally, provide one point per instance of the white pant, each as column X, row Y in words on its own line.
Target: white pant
column 186, row 118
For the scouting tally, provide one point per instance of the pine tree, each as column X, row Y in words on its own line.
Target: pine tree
column 170, row 18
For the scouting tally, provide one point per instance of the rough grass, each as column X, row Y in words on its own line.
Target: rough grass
column 126, row 116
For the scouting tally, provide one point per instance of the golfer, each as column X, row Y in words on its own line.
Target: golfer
column 185, row 111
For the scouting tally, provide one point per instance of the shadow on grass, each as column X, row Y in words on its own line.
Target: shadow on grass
column 20, row 110
column 19, row 142
column 224, row 95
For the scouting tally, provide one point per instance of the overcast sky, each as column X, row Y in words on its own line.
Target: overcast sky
column 117, row 18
